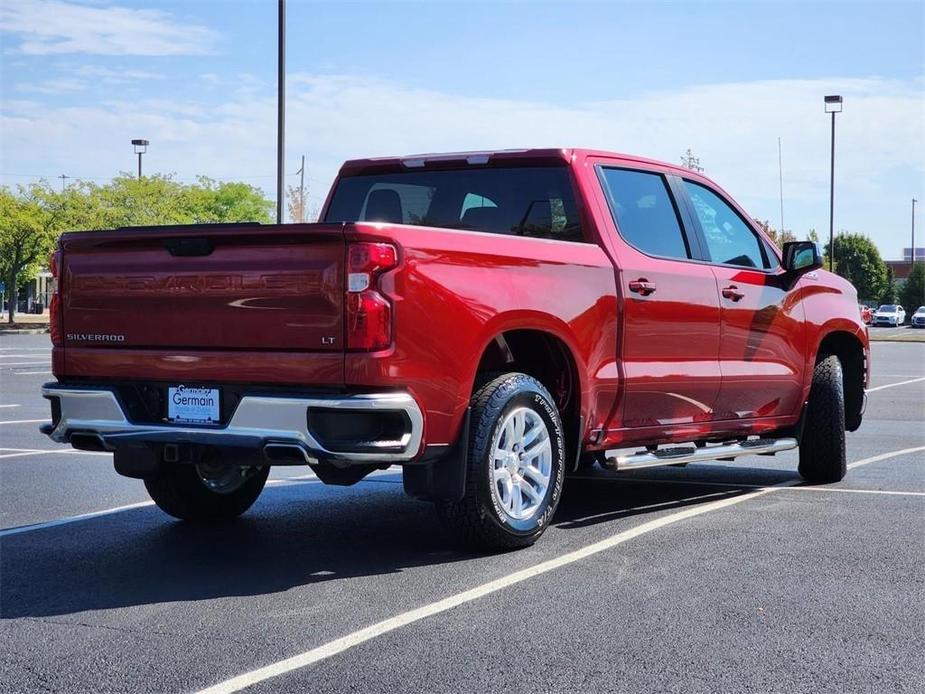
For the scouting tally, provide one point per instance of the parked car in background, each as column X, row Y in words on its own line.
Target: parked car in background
column 890, row 314
column 918, row 318
column 867, row 314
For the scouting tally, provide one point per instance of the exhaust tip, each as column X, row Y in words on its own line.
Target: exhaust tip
column 88, row 442
column 285, row 454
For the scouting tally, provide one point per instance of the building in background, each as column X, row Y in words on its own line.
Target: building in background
column 919, row 254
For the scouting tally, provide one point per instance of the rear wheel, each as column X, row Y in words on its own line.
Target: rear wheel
column 822, row 449
column 206, row 491
column 515, row 466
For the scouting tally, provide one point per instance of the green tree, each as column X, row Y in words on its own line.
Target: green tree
column 32, row 217
column 889, row 294
column 778, row 237
column 214, row 201
column 27, row 236
column 813, row 236
column 858, row 261
column 913, row 292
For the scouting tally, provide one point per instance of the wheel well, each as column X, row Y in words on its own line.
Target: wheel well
column 850, row 353
column 550, row 361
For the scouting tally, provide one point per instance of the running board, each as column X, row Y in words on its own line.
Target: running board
column 692, row 454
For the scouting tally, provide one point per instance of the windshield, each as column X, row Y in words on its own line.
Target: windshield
column 920, row 309
column 526, row 201
column 887, row 308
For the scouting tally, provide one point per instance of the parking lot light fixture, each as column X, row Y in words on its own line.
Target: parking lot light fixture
column 141, row 146
column 833, row 105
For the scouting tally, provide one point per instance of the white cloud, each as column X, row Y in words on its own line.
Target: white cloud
column 56, row 26
column 732, row 127
column 113, row 75
column 56, row 86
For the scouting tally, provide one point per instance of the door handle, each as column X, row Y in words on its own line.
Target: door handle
column 732, row 292
column 642, row 286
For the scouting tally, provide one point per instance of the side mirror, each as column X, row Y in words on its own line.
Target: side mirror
column 802, row 256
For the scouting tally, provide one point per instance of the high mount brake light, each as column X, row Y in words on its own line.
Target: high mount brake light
column 369, row 312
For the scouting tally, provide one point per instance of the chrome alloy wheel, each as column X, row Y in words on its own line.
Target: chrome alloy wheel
column 222, row 478
column 521, row 464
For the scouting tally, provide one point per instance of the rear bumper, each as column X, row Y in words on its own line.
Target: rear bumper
column 276, row 426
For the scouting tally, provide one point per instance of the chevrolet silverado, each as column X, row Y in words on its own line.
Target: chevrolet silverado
column 489, row 321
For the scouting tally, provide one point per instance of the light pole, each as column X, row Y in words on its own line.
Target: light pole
column 912, row 256
column 280, row 107
column 833, row 104
column 141, row 146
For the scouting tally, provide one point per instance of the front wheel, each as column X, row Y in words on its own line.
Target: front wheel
column 515, row 466
column 822, row 450
column 206, row 491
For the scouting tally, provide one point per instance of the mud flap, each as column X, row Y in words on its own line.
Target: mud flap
column 443, row 478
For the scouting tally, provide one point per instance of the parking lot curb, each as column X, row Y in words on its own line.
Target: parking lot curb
column 901, row 338
column 23, row 331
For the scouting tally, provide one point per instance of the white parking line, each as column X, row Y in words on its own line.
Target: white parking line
column 22, row 453
column 344, row 643
column 2, row 407
column 731, row 486
column 29, row 373
column 18, row 356
column 25, row 349
column 71, row 519
column 900, row 383
column 25, row 363
column 25, row 421
column 310, row 478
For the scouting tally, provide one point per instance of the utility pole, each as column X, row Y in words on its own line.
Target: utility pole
column 280, row 107
column 691, row 162
column 63, row 178
column 301, row 173
column 780, row 178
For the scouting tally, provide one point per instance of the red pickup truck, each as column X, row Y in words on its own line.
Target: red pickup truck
column 489, row 321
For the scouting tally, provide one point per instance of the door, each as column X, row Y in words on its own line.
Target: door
column 761, row 353
column 669, row 310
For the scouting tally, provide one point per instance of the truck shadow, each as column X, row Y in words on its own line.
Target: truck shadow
column 297, row 535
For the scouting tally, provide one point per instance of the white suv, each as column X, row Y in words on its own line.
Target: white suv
column 918, row 318
column 890, row 314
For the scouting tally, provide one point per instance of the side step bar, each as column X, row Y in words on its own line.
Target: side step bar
column 692, row 454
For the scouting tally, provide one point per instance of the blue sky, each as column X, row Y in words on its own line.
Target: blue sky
column 80, row 79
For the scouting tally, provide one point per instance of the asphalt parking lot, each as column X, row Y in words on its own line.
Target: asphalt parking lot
column 716, row 577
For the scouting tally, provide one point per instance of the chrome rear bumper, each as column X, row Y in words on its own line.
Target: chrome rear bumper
column 270, row 424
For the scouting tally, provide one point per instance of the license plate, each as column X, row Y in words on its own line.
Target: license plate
column 193, row 405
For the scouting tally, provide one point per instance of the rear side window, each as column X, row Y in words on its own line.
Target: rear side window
column 729, row 239
column 644, row 212
column 522, row 201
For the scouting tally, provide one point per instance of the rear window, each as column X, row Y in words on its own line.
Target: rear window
column 531, row 201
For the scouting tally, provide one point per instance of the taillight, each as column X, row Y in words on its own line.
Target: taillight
column 369, row 312
column 54, row 308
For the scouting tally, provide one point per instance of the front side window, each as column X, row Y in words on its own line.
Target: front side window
column 730, row 240
column 523, row 201
column 644, row 212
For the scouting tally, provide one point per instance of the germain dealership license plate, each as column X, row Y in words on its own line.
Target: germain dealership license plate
column 193, row 405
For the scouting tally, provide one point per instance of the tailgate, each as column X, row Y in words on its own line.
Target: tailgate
column 224, row 287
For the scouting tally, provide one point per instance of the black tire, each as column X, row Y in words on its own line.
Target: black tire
column 179, row 491
column 476, row 521
column 822, row 451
